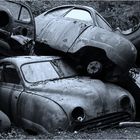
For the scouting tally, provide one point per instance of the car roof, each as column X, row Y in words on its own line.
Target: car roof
column 71, row 6
column 19, row 60
column 74, row 5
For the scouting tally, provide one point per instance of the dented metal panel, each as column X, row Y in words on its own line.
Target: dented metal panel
column 63, row 38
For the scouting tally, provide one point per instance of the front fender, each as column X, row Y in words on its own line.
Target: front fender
column 120, row 93
column 124, row 61
column 41, row 112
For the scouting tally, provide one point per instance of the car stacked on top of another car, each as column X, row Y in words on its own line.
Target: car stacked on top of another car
column 45, row 94
column 81, row 33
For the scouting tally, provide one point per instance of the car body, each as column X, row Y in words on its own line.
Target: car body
column 44, row 94
column 17, row 27
column 83, row 34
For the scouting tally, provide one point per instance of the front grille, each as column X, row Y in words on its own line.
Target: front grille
column 106, row 121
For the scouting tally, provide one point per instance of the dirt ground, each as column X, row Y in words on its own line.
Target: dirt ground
column 116, row 133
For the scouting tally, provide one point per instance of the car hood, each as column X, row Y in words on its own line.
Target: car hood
column 94, row 96
column 69, row 86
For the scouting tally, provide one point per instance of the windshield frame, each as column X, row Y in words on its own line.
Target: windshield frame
column 51, row 62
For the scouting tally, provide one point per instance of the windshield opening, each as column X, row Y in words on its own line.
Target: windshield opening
column 102, row 23
column 46, row 70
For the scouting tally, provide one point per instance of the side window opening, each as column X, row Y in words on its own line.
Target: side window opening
column 102, row 23
column 79, row 14
column 25, row 15
column 9, row 75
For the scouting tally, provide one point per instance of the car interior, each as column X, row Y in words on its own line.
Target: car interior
column 10, row 75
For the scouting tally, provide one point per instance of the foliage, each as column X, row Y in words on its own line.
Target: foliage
column 117, row 13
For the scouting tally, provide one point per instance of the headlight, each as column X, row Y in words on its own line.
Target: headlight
column 78, row 114
column 125, row 102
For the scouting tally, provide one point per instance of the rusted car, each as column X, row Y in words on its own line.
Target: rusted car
column 84, row 35
column 43, row 94
column 17, row 28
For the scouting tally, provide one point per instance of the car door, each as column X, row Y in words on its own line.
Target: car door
column 10, row 89
column 50, row 26
column 63, row 31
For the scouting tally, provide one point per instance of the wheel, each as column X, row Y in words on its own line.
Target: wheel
column 94, row 68
column 97, row 67
column 93, row 62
